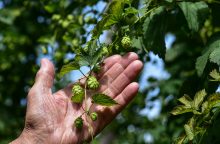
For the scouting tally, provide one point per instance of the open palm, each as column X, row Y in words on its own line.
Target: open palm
column 50, row 117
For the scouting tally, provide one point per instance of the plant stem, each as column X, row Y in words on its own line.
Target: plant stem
column 85, row 95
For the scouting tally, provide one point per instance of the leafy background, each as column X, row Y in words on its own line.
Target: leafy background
column 30, row 30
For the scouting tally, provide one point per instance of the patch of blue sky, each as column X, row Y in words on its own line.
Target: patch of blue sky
column 152, row 109
column 100, row 6
column 218, row 90
column 148, row 138
column 1, row 5
column 169, row 39
column 76, row 74
column 49, row 55
column 154, row 68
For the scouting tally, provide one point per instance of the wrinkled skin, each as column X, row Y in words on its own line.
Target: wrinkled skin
column 50, row 116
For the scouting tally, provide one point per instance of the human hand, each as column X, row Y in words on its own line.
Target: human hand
column 50, row 117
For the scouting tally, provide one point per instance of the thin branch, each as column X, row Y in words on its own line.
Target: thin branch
column 82, row 73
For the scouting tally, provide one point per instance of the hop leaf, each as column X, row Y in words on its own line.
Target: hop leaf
column 189, row 132
column 126, row 42
column 215, row 75
column 78, row 94
column 86, row 49
column 104, row 100
column 94, row 116
column 78, row 123
column 92, row 83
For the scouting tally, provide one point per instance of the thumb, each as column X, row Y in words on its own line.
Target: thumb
column 45, row 76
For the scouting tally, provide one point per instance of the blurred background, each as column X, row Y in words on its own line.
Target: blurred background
column 33, row 29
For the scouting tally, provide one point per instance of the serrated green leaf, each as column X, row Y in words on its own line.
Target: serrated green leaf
column 97, row 56
column 214, row 100
column 181, row 109
column 192, row 122
column 84, row 60
column 104, row 100
column 195, row 112
column 92, row 47
column 154, row 28
column 205, row 107
column 195, row 13
column 198, row 99
column 214, row 43
column 215, row 75
column 215, row 56
column 110, row 21
column 189, row 132
column 137, row 43
column 180, row 140
column 68, row 67
column 199, row 130
column 186, row 100
column 201, row 63
column 116, row 7
column 97, row 31
column 113, row 16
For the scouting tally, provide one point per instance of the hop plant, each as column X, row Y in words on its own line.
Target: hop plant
column 92, row 83
column 126, row 42
column 105, row 50
column 78, row 93
column 94, row 116
column 86, row 49
column 78, row 123
column 97, row 68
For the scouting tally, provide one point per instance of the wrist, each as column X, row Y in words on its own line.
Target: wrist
column 27, row 138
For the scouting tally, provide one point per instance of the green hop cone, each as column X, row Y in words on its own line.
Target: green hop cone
column 78, row 94
column 126, row 42
column 78, row 123
column 92, row 83
column 94, row 116
column 97, row 68
column 105, row 50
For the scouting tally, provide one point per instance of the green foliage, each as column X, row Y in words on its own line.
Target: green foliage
column 31, row 29
column 189, row 104
column 214, row 56
column 154, row 36
column 210, row 52
column 104, row 100
column 204, row 114
column 215, row 75
column 68, row 67
column 195, row 13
